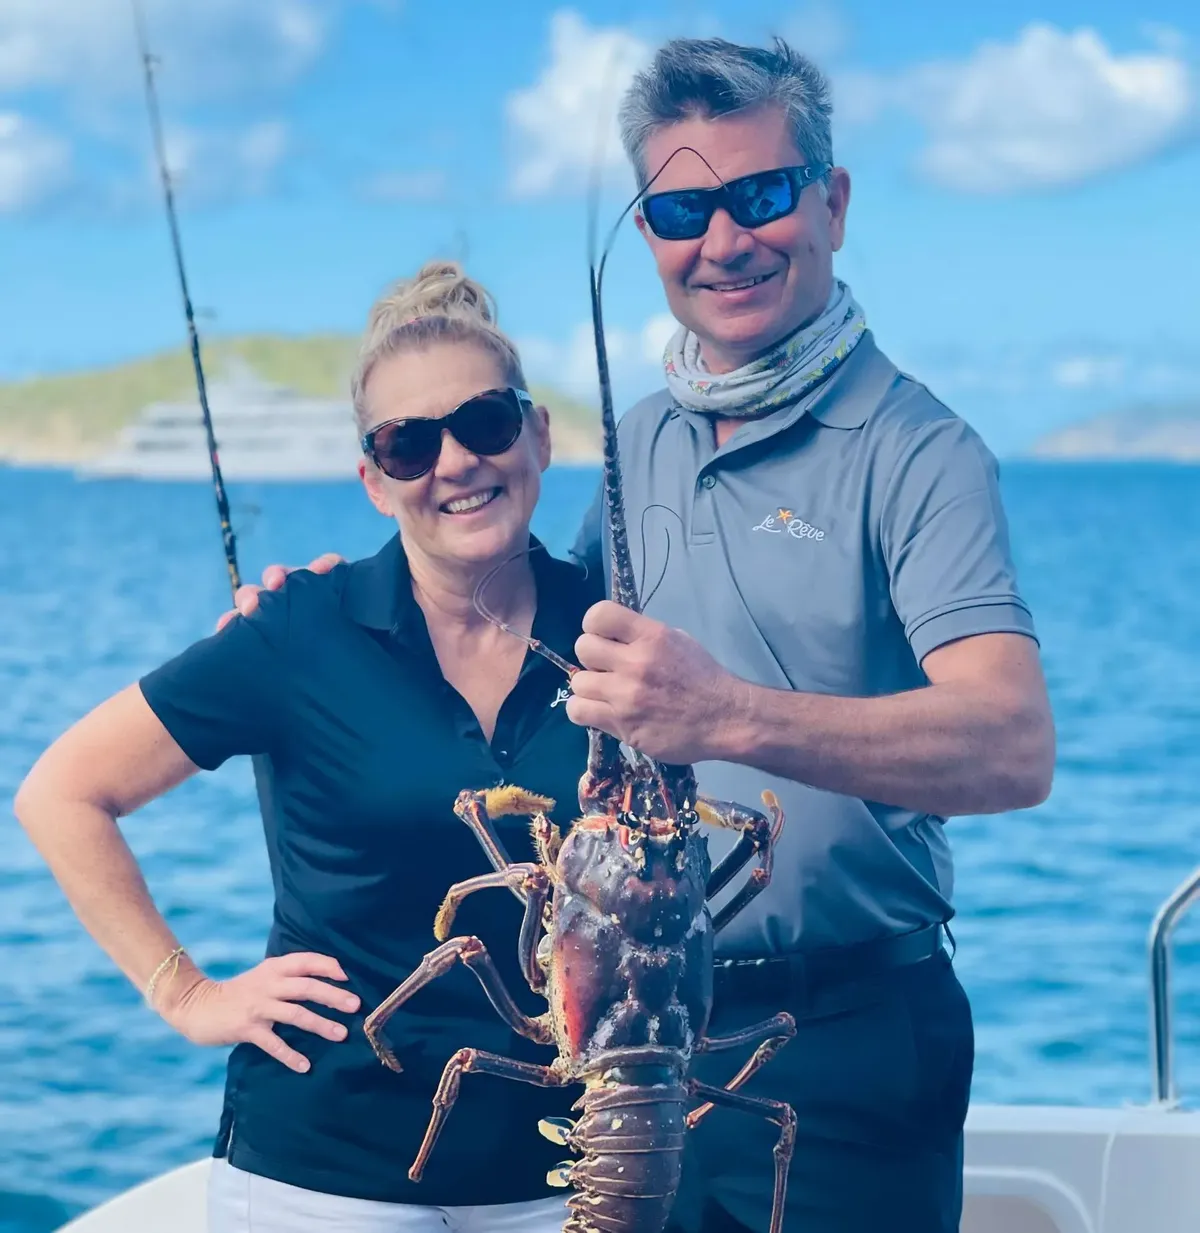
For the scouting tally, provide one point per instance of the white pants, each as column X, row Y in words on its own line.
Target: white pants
column 241, row 1202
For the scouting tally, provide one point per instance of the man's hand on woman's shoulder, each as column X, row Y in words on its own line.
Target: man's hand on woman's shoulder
column 245, row 600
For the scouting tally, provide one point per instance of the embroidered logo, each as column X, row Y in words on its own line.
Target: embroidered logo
column 784, row 520
column 562, row 695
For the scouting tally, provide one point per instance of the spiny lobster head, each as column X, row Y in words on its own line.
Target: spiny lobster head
column 638, row 856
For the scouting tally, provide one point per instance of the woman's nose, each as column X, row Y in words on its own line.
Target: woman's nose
column 455, row 459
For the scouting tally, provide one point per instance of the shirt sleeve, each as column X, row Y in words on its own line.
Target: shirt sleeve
column 588, row 549
column 945, row 539
column 223, row 696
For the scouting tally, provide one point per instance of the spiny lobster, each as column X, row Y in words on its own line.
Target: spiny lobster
column 617, row 936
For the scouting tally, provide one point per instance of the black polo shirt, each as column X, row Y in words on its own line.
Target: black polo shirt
column 335, row 680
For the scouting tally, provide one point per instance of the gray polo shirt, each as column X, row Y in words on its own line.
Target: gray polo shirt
column 827, row 548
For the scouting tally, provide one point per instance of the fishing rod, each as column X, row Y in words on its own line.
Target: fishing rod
column 148, row 61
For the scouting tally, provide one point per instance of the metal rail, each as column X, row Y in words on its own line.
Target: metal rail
column 1165, row 920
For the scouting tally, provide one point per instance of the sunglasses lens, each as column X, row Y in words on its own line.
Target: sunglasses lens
column 489, row 424
column 678, row 216
column 408, row 449
column 759, row 199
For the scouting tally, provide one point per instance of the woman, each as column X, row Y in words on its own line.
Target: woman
column 377, row 693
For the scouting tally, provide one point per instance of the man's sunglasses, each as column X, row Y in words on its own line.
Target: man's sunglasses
column 487, row 424
column 752, row 201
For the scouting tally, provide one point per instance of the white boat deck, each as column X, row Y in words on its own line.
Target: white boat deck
column 1029, row 1169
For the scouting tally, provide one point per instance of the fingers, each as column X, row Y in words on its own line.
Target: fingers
column 325, row 562
column 306, row 963
column 225, row 618
column 305, row 989
column 270, row 1044
column 245, row 598
column 598, row 654
column 588, row 713
column 306, row 1020
column 614, row 621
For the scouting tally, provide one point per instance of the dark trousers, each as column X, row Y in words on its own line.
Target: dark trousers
column 879, row 1074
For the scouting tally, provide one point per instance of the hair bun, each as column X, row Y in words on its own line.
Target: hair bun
column 439, row 289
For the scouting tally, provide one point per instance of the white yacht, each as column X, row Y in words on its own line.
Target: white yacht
column 263, row 432
column 1029, row 1168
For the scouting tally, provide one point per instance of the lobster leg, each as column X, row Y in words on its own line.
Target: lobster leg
column 784, row 1027
column 479, row 1062
column 758, row 837
column 437, row 963
column 523, row 877
column 783, row 1115
column 477, row 809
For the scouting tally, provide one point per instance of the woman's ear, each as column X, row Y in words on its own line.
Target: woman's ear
column 372, row 479
column 545, row 446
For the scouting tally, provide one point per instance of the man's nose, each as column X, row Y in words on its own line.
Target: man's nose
column 724, row 241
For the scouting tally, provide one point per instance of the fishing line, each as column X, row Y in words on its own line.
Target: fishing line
column 148, row 62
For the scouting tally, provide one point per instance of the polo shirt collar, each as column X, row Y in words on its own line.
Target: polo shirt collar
column 378, row 595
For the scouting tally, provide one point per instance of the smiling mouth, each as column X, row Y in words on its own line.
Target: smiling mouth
column 741, row 285
column 468, row 505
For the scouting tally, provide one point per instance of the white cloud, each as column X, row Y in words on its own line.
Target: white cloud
column 33, row 163
column 634, row 358
column 209, row 165
column 87, row 47
column 1050, row 108
column 655, row 335
column 556, row 124
column 1082, row 372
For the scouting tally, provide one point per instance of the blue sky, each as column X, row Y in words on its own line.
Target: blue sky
column 1024, row 230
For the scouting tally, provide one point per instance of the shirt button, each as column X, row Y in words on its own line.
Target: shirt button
column 502, row 755
column 709, row 481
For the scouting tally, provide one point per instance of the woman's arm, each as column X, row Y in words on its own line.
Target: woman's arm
column 109, row 764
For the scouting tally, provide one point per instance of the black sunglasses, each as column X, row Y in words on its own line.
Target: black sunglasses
column 752, row 201
column 489, row 423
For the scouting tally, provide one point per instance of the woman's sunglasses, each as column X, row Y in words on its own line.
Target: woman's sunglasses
column 487, row 424
column 752, row 201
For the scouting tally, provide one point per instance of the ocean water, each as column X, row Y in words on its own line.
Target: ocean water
column 101, row 580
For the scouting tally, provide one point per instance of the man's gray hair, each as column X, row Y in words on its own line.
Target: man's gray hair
column 707, row 78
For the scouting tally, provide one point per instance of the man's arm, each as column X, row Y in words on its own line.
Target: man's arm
column 978, row 738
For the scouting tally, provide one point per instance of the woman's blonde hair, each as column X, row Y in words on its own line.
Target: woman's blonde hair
column 440, row 303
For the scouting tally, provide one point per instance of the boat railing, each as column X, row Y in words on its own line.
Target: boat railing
column 1167, row 917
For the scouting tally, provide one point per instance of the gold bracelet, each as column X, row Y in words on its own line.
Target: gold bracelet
column 174, row 957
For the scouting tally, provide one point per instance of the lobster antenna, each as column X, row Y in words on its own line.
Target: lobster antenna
column 534, row 644
column 148, row 61
column 624, row 589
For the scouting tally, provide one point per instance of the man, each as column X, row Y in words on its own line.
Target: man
column 837, row 619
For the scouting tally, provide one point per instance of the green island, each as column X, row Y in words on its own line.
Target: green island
column 1146, row 432
column 69, row 418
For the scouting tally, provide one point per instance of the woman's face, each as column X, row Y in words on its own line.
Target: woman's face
column 429, row 382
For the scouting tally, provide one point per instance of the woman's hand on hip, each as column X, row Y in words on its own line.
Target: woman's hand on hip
column 247, row 1007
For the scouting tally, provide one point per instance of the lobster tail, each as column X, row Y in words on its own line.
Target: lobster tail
column 631, row 1138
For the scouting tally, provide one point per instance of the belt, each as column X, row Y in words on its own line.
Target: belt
column 805, row 972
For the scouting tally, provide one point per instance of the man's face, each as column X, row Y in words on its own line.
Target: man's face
column 792, row 257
